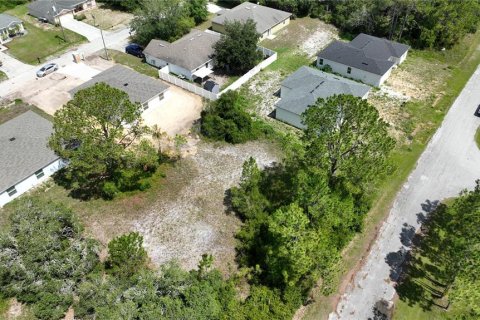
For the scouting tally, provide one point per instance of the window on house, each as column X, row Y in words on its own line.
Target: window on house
column 321, row 62
column 349, row 70
column 11, row 191
column 39, row 173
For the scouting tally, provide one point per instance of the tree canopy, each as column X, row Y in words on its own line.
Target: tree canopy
column 167, row 20
column 98, row 132
column 197, row 9
column 236, row 51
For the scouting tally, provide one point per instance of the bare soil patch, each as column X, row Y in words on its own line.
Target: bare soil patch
column 107, row 19
column 188, row 216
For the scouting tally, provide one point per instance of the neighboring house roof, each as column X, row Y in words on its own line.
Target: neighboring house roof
column 24, row 150
column 7, row 21
column 44, row 8
column 379, row 48
column 188, row 52
column 306, row 85
column 349, row 55
column 140, row 88
column 265, row 17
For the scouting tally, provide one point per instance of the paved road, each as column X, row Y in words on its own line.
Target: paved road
column 115, row 40
column 12, row 67
column 450, row 163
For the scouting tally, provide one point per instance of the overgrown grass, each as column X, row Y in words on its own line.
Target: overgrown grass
column 133, row 62
column 463, row 60
column 477, row 137
column 206, row 24
column 3, row 76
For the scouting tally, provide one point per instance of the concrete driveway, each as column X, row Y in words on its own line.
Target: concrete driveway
column 450, row 163
column 13, row 67
column 86, row 30
column 176, row 113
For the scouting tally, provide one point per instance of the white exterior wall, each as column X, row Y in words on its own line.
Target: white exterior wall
column 364, row 76
column 156, row 101
column 31, row 182
column 159, row 63
column 289, row 117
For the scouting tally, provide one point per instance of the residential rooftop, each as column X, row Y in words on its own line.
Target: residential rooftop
column 306, row 85
column 24, row 150
column 379, row 48
column 265, row 17
column 188, row 52
column 139, row 87
column 7, row 21
column 45, row 7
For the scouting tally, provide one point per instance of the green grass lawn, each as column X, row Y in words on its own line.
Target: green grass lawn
column 39, row 42
column 133, row 62
column 477, row 137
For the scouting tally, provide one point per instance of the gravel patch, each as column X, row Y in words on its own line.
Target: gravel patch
column 319, row 39
column 265, row 86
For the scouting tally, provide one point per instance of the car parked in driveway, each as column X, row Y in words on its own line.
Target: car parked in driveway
column 477, row 112
column 135, row 50
column 47, row 69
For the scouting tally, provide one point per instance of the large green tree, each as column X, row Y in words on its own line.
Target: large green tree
column 161, row 19
column 346, row 137
column 197, row 9
column 237, row 51
column 126, row 254
column 98, row 133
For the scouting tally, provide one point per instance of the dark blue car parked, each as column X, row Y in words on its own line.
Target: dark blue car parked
column 135, row 50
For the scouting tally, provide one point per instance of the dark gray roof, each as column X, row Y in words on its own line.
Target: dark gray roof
column 349, row 55
column 28, row 152
column 189, row 52
column 306, row 85
column 378, row 48
column 264, row 17
column 44, row 7
column 140, row 88
column 7, row 20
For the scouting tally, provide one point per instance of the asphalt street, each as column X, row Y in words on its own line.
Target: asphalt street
column 450, row 163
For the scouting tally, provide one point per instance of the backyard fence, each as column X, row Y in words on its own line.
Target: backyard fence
column 164, row 74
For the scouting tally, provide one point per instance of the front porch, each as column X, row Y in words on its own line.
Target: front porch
column 11, row 32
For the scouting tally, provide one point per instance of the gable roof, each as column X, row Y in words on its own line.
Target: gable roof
column 188, row 52
column 349, row 55
column 7, row 20
column 264, row 17
column 379, row 48
column 28, row 152
column 306, row 85
column 45, row 7
column 140, row 88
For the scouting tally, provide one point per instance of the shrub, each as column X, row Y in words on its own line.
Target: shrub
column 80, row 17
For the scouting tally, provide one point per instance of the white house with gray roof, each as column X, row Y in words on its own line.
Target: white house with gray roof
column 305, row 86
column 9, row 26
column 25, row 159
column 147, row 91
column 52, row 10
column 190, row 56
column 268, row 20
column 365, row 58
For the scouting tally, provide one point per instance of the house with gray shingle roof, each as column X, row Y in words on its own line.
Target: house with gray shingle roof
column 147, row 91
column 365, row 58
column 52, row 10
column 190, row 56
column 25, row 158
column 268, row 20
column 305, row 86
column 9, row 26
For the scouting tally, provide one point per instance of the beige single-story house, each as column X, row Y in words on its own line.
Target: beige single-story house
column 9, row 27
column 305, row 86
column 147, row 91
column 190, row 56
column 26, row 160
column 366, row 58
column 268, row 20
column 52, row 10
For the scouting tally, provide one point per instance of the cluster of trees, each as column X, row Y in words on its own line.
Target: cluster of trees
column 447, row 258
column 299, row 215
column 100, row 133
column 46, row 263
column 10, row 4
column 168, row 20
column 226, row 119
column 236, row 51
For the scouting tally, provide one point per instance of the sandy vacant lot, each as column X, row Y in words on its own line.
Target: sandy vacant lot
column 176, row 113
column 187, row 217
